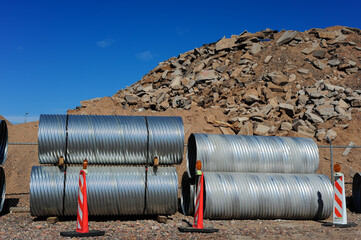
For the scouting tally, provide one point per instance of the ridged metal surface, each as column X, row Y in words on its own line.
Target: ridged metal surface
column 231, row 153
column 162, row 191
column 3, row 141
column 166, row 139
column 2, row 188
column 267, row 196
column 110, row 190
column 46, row 191
column 356, row 192
column 188, row 193
column 111, row 139
column 51, row 138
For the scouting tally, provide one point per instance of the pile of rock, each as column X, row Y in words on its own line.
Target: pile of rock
column 268, row 83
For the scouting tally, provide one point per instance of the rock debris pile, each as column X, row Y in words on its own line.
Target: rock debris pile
column 285, row 83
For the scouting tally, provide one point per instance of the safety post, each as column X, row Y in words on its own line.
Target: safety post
column 82, row 227
column 198, row 212
column 339, row 202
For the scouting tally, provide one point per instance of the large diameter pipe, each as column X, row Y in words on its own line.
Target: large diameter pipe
column 188, row 193
column 110, row 190
column 3, row 141
column 263, row 154
column 110, row 139
column 356, row 192
column 267, row 196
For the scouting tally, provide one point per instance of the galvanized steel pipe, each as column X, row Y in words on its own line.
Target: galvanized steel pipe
column 2, row 188
column 188, row 191
column 111, row 139
column 267, row 196
column 3, row 141
column 356, row 192
column 264, row 154
column 110, row 190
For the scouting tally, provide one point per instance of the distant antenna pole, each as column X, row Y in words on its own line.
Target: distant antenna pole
column 25, row 116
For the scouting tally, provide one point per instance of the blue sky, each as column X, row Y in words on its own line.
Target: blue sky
column 53, row 54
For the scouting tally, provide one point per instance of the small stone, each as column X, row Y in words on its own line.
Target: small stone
column 318, row 64
column 352, row 70
column 327, row 35
column 274, row 87
column 320, row 135
column 267, row 59
column 246, row 129
column 286, row 126
column 343, row 104
column 297, row 123
column 225, row 43
column 319, row 54
column 286, row 37
column 314, row 117
column 261, row 129
column 131, row 99
column 303, row 71
column 207, row 75
column 356, row 102
column 308, row 50
column 288, row 108
column 251, row 96
column 256, row 48
column 306, row 131
column 331, row 135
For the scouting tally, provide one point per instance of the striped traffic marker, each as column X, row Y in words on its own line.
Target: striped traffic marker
column 198, row 212
column 82, row 227
column 339, row 202
column 82, row 216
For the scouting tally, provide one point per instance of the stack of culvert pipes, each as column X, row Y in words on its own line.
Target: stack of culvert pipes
column 3, row 155
column 115, row 140
column 249, row 177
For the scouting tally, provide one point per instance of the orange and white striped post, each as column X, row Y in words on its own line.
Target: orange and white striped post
column 198, row 212
column 82, row 227
column 339, row 202
column 82, row 216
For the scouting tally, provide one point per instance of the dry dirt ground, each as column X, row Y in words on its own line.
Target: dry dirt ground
column 23, row 226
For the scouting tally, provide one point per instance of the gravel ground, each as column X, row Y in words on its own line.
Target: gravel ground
column 23, row 226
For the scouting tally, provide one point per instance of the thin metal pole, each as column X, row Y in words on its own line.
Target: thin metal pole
column 331, row 155
column 335, row 146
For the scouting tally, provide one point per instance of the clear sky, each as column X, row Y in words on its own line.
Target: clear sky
column 53, row 54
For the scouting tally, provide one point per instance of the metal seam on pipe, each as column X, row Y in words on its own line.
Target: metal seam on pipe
column 267, row 196
column 111, row 139
column 356, row 192
column 111, row 191
column 3, row 141
column 231, row 153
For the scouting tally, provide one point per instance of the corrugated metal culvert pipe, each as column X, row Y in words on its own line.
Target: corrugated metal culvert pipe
column 267, row 196
column 232, row 153
column 356, row 192
column 188, row 193
column 110, row 139
column 3, row 141
column 2, row 188
column 111, row 191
